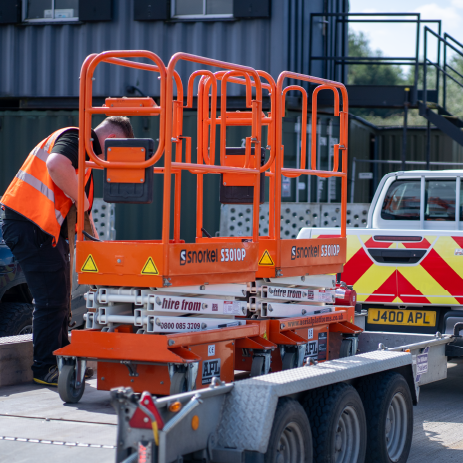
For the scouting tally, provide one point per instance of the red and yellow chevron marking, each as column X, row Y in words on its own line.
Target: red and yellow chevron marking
column 437, row 279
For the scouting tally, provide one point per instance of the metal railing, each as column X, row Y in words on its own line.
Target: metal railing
column 446, row 43
column 335, row 47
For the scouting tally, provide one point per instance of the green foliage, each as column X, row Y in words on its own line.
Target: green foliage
column 370, row 74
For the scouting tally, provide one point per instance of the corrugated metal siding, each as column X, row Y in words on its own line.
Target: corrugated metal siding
column 20, row 131
column 45, row 61
column 359, row 147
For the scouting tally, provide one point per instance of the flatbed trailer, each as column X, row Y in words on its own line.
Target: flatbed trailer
column 323, row 412
column 168, row 317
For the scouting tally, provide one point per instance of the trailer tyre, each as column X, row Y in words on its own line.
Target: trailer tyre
column 290, row 438
column 389, row 411
column 338, row 424
column 66, row 385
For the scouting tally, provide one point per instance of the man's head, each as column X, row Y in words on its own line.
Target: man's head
column 114, row 127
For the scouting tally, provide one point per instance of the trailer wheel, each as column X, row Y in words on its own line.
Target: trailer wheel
column 389, row 411
column 178, row 383
column 290, row 439
column 66, row 385
column 338, row 424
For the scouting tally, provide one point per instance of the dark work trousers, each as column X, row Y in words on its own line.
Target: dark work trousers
column 46, row 269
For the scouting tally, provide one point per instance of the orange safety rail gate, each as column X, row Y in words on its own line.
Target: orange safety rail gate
column 120, row 263
column 295, row 257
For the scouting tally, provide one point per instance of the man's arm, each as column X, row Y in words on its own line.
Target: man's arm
column 64, row 175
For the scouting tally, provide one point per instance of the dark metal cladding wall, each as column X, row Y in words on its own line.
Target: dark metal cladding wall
column 45, row 60
column 443, row 149
column 360, row 136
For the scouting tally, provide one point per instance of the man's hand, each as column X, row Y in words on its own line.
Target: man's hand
column 64, row 175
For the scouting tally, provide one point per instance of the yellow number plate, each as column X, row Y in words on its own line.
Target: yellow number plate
column 401, row 317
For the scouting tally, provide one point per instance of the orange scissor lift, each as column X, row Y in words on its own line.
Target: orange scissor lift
column 167, row 316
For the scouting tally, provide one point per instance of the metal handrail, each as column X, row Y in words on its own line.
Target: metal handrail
column 445, row 42
column 336, row 50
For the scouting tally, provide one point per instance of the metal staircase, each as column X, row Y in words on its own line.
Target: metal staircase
column 434, row 112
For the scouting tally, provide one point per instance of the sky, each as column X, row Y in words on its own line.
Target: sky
column 399, row 39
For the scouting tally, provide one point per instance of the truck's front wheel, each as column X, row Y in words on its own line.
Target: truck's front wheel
column 290, row 439
column 389, row 410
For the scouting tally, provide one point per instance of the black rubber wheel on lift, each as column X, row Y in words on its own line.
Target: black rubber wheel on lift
column 289, row 361
column 66, row 385
column 389, row 411
column 347, row 347
column 338, row 424
column 290, row 439
column 257, row 367
column 178, row 383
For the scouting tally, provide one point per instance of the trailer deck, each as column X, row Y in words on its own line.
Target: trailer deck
column 34, row 421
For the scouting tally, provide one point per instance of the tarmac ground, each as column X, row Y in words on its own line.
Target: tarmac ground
column 35, row 426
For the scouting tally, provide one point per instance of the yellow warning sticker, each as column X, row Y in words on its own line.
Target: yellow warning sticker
column 150, row 268
column 266, row 259
column 89, row 265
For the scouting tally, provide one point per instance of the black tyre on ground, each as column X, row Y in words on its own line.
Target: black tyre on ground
column 290, row 439
column 178, row 383
column 15, row 318
column 389, row 411
column 338, row 423
column 66, row 385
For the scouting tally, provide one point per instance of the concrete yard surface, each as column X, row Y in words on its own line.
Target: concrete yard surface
column 438, row 429
column 35, row 426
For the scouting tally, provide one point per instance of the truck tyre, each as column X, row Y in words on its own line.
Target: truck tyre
column 338, row 424
column 178, row 383
column 290, row 439
column 66, row 385
column 15, row 318
column 389, row 411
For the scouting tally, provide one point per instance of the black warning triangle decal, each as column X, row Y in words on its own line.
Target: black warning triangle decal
column 150, row 268
column 89, row 265
column 266, row 259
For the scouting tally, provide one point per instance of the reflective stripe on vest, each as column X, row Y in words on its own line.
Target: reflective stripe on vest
column 49, row 208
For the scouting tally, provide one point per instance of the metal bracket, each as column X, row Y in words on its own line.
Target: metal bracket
column 81, row 366
column 132, row 367
column 355, row 343
column 191, row 375
column 300, row 354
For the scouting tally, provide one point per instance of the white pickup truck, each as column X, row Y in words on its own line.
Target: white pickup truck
column 407, row 265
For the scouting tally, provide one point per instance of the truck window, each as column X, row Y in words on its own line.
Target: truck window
column 402, row 201
column 440, row 200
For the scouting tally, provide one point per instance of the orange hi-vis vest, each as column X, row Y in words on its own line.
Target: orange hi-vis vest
column 33, row 194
